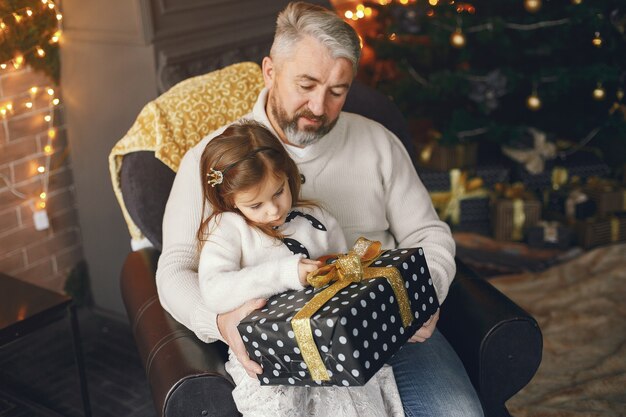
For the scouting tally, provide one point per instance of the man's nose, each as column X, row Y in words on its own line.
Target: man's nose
column 317, row 102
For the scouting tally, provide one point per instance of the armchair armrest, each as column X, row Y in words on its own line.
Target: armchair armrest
column 186, row 376
column 498, row 342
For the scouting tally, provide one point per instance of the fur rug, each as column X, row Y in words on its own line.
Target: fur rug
column 581, row 309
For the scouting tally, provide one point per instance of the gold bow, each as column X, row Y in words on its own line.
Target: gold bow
column 349, row 268
column 448, row 203
column 518, row 194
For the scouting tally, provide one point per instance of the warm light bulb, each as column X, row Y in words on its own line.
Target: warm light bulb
column 599, row 93
column 360, row 14
column 18, row 61
column 47, row 149
column 433, row 2
column 620, row 94
column 533, row 102
column 577, row 2
column 457, row 39
column 3, row 26
column 44, row 1
column 59, row 16
column 3, row 66
column 29, row 12
column 51, row 5
column 348, row 14
column 50, row 91
column 393, row 37
column 47, row 118
column 55, row 38
column 41, row 169
column 3, row 112
column 17, row 17
column 29, row 105
column 532, row 6
column 41, row 204
column 33, row 90
column 9, row 107
column 55, row 101
column 41, row 52
column 368, row 11
column 52, row 133
column 43, row 195
column 597, row 40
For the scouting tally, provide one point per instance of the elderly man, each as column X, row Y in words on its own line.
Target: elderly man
column 360, row 172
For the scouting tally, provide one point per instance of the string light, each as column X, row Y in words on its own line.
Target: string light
column 532, row 6
column 533, row 102
column 597, row 40
column 457, row 39
column 41, row 52
column 41, row 169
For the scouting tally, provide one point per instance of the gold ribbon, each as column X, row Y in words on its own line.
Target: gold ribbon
column 519, row 218
column 448, row 203
column 615, row 229
column 349, row 268
column 559, row 177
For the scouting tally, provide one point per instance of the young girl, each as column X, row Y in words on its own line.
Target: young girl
column 259, row 239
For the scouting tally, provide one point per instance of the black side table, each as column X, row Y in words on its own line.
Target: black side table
column 26, row 308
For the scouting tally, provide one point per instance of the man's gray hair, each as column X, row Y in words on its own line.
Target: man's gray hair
column 300, row 19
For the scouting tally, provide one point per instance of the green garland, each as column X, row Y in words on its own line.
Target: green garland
column 23, row 35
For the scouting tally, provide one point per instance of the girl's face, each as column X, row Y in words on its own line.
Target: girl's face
column 267, row 203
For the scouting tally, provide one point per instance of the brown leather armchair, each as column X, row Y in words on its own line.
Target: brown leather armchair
column 499, row 344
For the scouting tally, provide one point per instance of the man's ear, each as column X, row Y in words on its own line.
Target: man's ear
column 269, row 72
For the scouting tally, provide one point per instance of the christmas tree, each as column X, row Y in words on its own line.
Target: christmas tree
column 495, row 70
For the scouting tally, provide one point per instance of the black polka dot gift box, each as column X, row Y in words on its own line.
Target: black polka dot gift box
column 342, row 333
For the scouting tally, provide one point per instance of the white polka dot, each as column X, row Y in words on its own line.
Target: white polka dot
column 335, row 310
column 416, row 296
column 291, row 381
column 421, row 270
column 263, row 320
column 275, row 327
column 275, row 372
column 384, row 327
column 296, row 350
column 374, row 315
column 406, row 284
column 391, row 299
column 372, row 296
column 430, row 300
column 378, row 262
column 364, row 324
column 255, row 344
column 405, row 265
column 355, row 332
column 430, row 281
column 412, row 258
column 341, row 357
column 423, row 307
column 421, row 252
column 343, row 340
column 290, row 334
column 417, row 315
column 414, row 277
column 245, row 338
column 376, row 355
column 363, row 303
column 334, row 299
column 343, row 321
column 383, row 307
column 393, row 338
column 324, row 348
column 385, row 347
column 273, row 302
column 266, row 380
column 401, row 330
column 277, row 366
column 354, row 295
column 354, row 311
column 367, row 364
column 330, row 323
column 345, row 303
column 355, row 373
column 270, row 351
column 318, row 332
column 257, row 353
column 287, row 358
column 326, row 308
column 395, row 258
column 339, row 367
column 330, row 373
column 404, row 251
column 375, row 335
column 356, row 354
column 279, row 343
column 302, row 365
column 366, row 344
column 249, row 329
column 392, row 319
column 302, row 373
column 381, row 287
column 345, row 383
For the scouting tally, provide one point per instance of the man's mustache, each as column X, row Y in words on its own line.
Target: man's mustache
column 309, row 115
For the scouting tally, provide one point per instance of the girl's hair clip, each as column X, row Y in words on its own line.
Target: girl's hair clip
column 215, row 177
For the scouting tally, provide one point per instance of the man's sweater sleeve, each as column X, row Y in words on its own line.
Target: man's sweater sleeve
column 177, row 276
column 414, row 221
column 224, row 284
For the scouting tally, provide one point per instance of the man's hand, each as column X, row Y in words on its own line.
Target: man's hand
column 426, row 330
column 227, row 325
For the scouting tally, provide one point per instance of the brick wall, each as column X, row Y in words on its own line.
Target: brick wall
column 43, row 257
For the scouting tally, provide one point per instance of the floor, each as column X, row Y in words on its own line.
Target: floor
column 40, row 368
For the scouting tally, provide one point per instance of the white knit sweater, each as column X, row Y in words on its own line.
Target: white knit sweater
column 362, row 175
column 239, row 262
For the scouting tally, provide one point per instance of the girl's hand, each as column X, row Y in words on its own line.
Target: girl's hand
column 304, row 267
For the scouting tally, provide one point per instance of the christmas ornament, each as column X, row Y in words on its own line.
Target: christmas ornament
column 534, row 158
column 533, row 102
column 487, row 90
column 532, row 6
column 457, row 39
column 597, row 40
column 599, row 93
column 577, row 2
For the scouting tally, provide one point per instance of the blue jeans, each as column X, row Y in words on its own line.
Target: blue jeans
column 432, row 381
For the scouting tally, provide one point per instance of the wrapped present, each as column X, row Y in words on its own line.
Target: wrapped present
column 362, row 308
column 558, row 172
column 466, row 200
column 549, row 235
column 608, row 196
column 568, row 205
column 489, row 174
column 601, row 231
column 514, row 211
column 435, row 156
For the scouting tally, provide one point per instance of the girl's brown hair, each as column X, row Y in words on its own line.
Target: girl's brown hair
column 245, row 154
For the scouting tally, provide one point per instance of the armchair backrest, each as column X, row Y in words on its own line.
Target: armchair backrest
column 146, row 181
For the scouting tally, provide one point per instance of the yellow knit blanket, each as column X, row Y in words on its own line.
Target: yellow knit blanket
column 178, row 119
